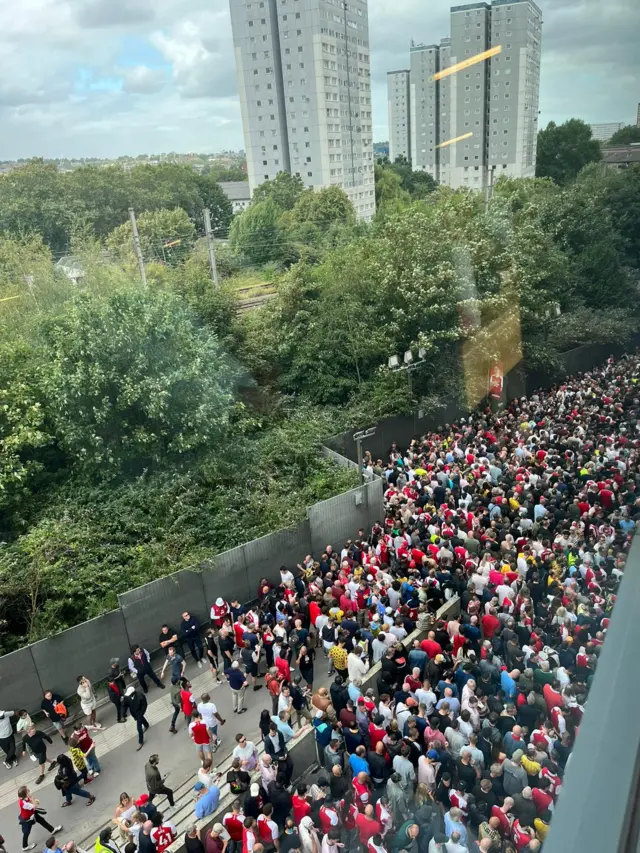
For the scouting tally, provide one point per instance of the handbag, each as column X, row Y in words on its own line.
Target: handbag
column 61, row 709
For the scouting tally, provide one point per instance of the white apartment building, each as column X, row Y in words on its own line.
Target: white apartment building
column 305, row 93
column 495, row 101
column 604, row 132
column 399, row 118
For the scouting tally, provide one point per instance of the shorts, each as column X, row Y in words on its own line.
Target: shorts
column 204, row 748
column 58, row 725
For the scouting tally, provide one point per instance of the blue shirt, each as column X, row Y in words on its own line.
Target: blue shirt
column 176, row 666
column 284, row 728
column 508, row 685
column 354, row 692
column 208, row 802
column 418, row 658
column 358, row 765
column 627, row 525
column 323, row 732
column 451, row 826
column 236, row 677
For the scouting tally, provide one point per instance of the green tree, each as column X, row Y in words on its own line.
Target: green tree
column 625, row 136
column 285, row 190
column 130, row 380
column 323, row 208
column 391, row 197
column 563, row 150
column 165, row 235
column 258, row 235
column 32, row 202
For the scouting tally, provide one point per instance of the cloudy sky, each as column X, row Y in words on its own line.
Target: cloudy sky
column 100, row 78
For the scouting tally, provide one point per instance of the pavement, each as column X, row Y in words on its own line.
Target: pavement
column 122, row 767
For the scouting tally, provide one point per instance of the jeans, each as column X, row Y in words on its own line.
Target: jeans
column 8, row 746
column 120, row 710
column 142, row 725
column 237, row 697
column 168, row 792
column 176, row 711
column 92, row 761
column 78, row 791
column 28, row 825
column 195, row 647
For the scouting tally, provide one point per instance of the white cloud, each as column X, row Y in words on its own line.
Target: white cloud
column 589, row 69
column 142, row 80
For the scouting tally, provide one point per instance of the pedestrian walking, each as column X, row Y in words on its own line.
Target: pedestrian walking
column 176, row 662
column 140, row 667
column 137, row 707
column 155, row 781
column 88, row 747
column 190, row 630
column 77, row 758
column 211, row 718
column 212, row 653
column 7, row 739
column 24, row 721
column 66, row 782
column 115, row 688
column 174, row 693
column 238, row 684
column 200, row 735
column 35, row 740
column 88, row 701
column 55, row 709
column 30, row 813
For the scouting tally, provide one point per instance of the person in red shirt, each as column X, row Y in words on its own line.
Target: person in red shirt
column 521, row 835
column 267, row 827
column 552, row 695
column 200, row 735
column 249, row 835
column 328, row 817
column 503, row 814
column 541, row 797
column 29, row 816
column 233, row 822
column 361, row 790
column 164, row 835
column 430, row 646
column 367, row 825
column 377, row 732
column 300, row 804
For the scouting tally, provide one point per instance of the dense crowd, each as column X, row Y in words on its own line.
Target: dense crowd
column 525, row 516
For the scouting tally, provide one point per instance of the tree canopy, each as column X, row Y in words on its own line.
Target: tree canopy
column 563, row 150
column 625, row 136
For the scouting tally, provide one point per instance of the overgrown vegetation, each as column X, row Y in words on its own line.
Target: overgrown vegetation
column 142, row 430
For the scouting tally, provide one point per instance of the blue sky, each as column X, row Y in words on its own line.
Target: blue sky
column 99, row 78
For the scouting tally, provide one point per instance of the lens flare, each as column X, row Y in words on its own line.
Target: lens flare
column 466, row 63
column 457, row 139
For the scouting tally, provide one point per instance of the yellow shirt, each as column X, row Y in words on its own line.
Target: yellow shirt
column 541, row 828
column 532, row 768
column 339, row 657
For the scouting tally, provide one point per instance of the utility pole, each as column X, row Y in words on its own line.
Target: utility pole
column 357, row 437
column 212, row 254
column 137, row 248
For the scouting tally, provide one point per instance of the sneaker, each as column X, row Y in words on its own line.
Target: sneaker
column 218, row 681
column 173, row 731
column 29, row 847
column 258, row 687
column 57, row 828
column 53, row 765
column 8, row 766
column 95, row 775
column 243, row 711
column 199, row 664
column 39, row 779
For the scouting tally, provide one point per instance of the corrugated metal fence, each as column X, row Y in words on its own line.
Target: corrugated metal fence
column 55, row 663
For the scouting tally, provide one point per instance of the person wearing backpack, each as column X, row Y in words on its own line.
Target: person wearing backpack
column 66, row 782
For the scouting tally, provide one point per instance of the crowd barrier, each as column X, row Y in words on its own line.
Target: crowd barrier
column 56, row 662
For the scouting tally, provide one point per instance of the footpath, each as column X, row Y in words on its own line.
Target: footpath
column 123, row 767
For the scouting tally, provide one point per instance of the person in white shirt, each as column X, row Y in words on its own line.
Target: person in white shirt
column 357, row 666
column 504, row 591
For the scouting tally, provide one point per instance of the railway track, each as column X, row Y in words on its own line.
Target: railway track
column 259, row 295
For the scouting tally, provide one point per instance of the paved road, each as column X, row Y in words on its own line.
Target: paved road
column 123, row 767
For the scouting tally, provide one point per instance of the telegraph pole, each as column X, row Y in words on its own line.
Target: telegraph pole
column 212, row 254
column 137, row 248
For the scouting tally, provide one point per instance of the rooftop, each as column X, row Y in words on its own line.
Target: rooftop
column 235, row 190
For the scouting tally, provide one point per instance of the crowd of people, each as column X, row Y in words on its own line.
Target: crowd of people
column 525, row 517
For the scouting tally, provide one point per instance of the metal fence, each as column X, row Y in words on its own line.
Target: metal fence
column 403, row 428
column 55, row 663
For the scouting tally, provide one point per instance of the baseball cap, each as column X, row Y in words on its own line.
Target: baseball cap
column 433, row 755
